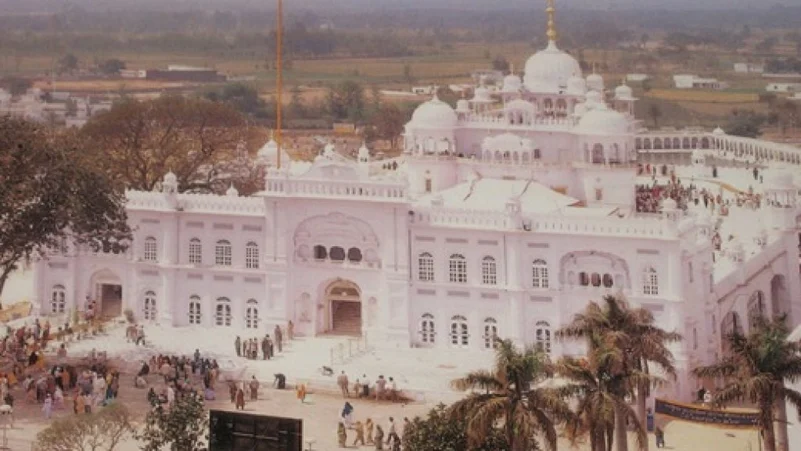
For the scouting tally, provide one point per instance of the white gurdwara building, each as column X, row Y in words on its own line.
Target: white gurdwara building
column 504, row 216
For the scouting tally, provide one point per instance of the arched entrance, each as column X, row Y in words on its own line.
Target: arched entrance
column 106, row 290
column 780, row 298
column 343, row 299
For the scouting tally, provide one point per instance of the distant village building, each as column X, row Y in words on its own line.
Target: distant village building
column 637, row 77
column 133, row 73
column 185, row 73
column 696, row 82
column 424, row 90
column 749, row 68
column 784, row 87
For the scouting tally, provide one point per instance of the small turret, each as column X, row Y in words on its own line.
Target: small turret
column 232, row 192
column 169, row 184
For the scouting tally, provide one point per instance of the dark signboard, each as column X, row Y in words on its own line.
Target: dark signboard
column 235, row 431
column 701, row 414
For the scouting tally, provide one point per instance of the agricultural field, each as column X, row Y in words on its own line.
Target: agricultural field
column 695, row 95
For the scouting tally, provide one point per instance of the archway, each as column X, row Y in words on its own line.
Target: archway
column 106, row 290
column 780, row 299
column 343, row 301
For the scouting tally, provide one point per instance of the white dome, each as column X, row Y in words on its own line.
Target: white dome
column 269, row 152
column 576, row 85
column 624, row 92
column 549, row 70
column 232, row 192
column 512, row 83
column 718, row 131
column 462, row 106
column 603, row 121
column 580, row 109
column 596, row 82
column 170, row 177
column 481, row 95
column 329, row 151
column 434, row 114
column 364, row 153
column 595, row 97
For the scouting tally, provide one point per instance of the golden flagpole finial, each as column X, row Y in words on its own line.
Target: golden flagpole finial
column 551, row 10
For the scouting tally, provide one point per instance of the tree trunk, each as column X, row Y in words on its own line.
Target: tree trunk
column 768, row 437
column 620, row 429
column 642, row 397
column 780, row 415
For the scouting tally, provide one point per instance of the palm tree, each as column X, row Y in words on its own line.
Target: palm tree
column 755, row 369
column 509, row 397
column 633, row 331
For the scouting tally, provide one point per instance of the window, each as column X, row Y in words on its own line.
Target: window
column 695, row 338
column 222, row 314
column 427, row 333
column 428, row 185
column 756, row 309
column 354, row 255
column 320, row 253
column 584, row 279
column 543, row 336
column 252, row 314
column 650, row 283
column 195, row 251
column 222, row 253
column 690, row 271
column 194, row 310
column 337, row 254
column 58, row 299
column 539, row 274
column 149, row 308
column 608, row 281
column 425, row 267
column 490, row 333
column 150, row 250
column 252, row 256
column 489, row 271
column 459, row 332
column 595, row 279
column 599, row 194
column 457, row 266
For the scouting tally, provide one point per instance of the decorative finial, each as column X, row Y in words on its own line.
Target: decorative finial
column 551, row 10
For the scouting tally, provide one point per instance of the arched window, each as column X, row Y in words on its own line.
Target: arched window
column 490, row 333
column 354, row 255
column 539, row 274
column 598, row 154
column 337, row 254
column 650, row 282
column 320, row 253
column 252, row 255
column 730, row 325
column 584, row 279
column 222, row 253
column 457, row 266
column 756, row 309
column 222, row 312
column 194, row 310
column 427, row 331
column 595, row 279
column 58, row 299
column 252, row 314
column 537, row 154
column 460, row 337
column 149, row 307
column 425, row 267
column 543, row 336
column 150, row 253
column 195, row 251
column 428, row 185
column 489, row 271
column 608, row 280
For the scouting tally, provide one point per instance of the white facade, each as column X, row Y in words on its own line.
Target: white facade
column 784, row 87
column 749, row 68
column 505, row 217
column 696, row 82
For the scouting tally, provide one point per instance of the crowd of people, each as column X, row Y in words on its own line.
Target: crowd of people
column 368, row 433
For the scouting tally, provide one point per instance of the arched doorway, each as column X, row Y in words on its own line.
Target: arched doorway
column 106, row 289
column 780, row 299
column 343, row 299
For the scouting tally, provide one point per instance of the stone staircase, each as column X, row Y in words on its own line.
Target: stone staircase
column 347, row 319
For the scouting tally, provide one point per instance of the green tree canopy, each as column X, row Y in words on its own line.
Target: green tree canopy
column 184, row 427
column 441, row 432
column 111, row 66
column 746, row 123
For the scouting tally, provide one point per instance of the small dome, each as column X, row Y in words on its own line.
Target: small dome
column 603, row 121
column 268, row 152
column 329, row 151
column 512, row 83
column 595, row 97
column 548, row 70
column 462, row 106
column 668, row 204
column 232, row 192
column 596, row 82
column 434, row 114
column 364, row 153
column 576, row 85
column 718, row 131
column 170, row 178
column 624, row 92
column 482, row 95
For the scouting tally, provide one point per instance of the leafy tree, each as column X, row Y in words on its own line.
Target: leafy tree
column 785, row 114
column 111, row 66
column 408, row 75
column 184, row 427
column 755, row 369
column 243, row 97
column 767, row 44
column 447, row 95
column 388, row 123
column 100, row 431
column 345, row 101
column 68, row 63
column 50, row 195
column 509, row 395
column 500, row 63
column 16, row 86
column 137, row 142
column 746, row 123
column 632, row 330
column 440, row 432
column 655, row 113
column 296, row 108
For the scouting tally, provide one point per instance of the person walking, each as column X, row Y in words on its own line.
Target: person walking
column 238, row 346
column 265, row 349
column 342, row 382
column 290, row 330
column 660, row 437
column 342, row 435
column 359, row 428
column 379, row 437
column 47, row 408
column 380, row 385
column 240, row 399
column 254, row 389
column 368, row 428
column 278, row 337
column 392, row 432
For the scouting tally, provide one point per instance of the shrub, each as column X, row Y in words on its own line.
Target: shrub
column 101, row 431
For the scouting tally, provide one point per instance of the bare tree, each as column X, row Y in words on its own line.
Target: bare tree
column 102, row 431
